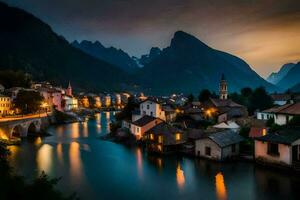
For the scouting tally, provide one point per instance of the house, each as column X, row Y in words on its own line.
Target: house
column 69, row 103
column 282, row 99
column 140, row 126
column 5, row 105
column 107, row 101
column 164, row 138
column 228, row 125
column 281, row 148
column 219, row 146
column 84, row 101
column 281, row 114
column 97, row 102
column 52, row 97
column 213, row 107
column 256, row 132
column 170, row 113
column 152, row 107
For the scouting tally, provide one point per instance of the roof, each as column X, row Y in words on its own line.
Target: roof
column 225, row 138
column 292, row 109
column 281, row 97
column 167, row 131
column 151, row 99
column 256, row 132
column 286, row 136
column 228, row 124
column 144, row 121
column 224, row 103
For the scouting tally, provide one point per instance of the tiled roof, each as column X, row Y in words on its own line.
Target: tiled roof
column 224, row 103
column 292, row 109
column 144, row 121
column 226, row 138
column 286, row 136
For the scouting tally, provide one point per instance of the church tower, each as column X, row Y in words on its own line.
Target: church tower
column 69, row 90
column 223, row 88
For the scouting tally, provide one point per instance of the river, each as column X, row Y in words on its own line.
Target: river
column 97, row 169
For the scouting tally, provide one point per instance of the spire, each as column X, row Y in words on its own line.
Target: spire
column 69, row 90
column 223, row 88
column 69, row 86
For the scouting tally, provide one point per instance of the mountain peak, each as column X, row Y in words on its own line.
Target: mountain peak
column 182, row 39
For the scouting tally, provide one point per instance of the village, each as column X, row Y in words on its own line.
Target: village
column 217, row 129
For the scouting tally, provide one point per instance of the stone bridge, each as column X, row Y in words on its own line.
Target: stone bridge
column 21, row 127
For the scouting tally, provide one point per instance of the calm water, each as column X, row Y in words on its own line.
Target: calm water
column 98, row 169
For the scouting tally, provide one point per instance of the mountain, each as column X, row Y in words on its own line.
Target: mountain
column 275, row 77
column 295, row 88
column 147, row 58
column 111, row 55
column 291, row 78
column 188, row 65
column 30, row 45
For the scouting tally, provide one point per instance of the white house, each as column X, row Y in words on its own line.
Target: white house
column 70, row 103
column 228, row 125
column 152, row 108
column 281, row 148
column 281, row 114
column 282, row 99
column 218, row 146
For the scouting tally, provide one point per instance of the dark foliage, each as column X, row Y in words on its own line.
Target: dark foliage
column 10, row 78
column 204, row 95
column 14, row 187
column 126, row 113
column 28, row 101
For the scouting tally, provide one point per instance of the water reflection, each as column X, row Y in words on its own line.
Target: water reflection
column 59, row 153
column 75, row 161
column 220, row 187
column 139, row 160
column 85, row 129
column 44, row 158
column 180, row 176
column 38, row 141
column 98, row 122
column 75, row 130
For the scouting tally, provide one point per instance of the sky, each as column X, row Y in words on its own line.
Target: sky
column 265, row 33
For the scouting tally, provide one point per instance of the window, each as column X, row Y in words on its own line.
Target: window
column 151, row 136
column 137, row 129
column 273, row 149
column 160, row 139
column 233, row 148
column 177, row 136
column 148, row 107
column 151, row 113
column 207, row 151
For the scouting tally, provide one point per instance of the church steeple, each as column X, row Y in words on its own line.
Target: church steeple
column 223, row 92
column 69, row 90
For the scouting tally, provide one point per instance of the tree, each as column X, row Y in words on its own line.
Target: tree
column 127, row 111
column 191, row 98
column 246, row 92
column 260, row 100
column 28, row 101
column 9, row 78
column 204, row 95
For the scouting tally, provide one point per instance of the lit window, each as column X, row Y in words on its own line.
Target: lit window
column 151, row 136
column 177, row 136
column 160, row 139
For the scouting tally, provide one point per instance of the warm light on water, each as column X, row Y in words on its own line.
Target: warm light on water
column 220, row 187
column 180, row 176
column 75, row 130
column 75, row 161
column 44, row 158
column 139, row 160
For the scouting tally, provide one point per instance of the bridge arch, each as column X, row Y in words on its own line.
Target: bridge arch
column 16, row 131
column 34, row 127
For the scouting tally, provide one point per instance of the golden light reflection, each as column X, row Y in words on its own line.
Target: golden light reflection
column 220, row 187
column 98, row 121
column 38, row 141
column 75, row 130
column 3, row 136
column 44, row 158
column 75, row 161
column 159, row 163
column 85, row 131
column 180, row 176
column 107, row 114
column 14, row 150
column 59, row 152
column 139, row 159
